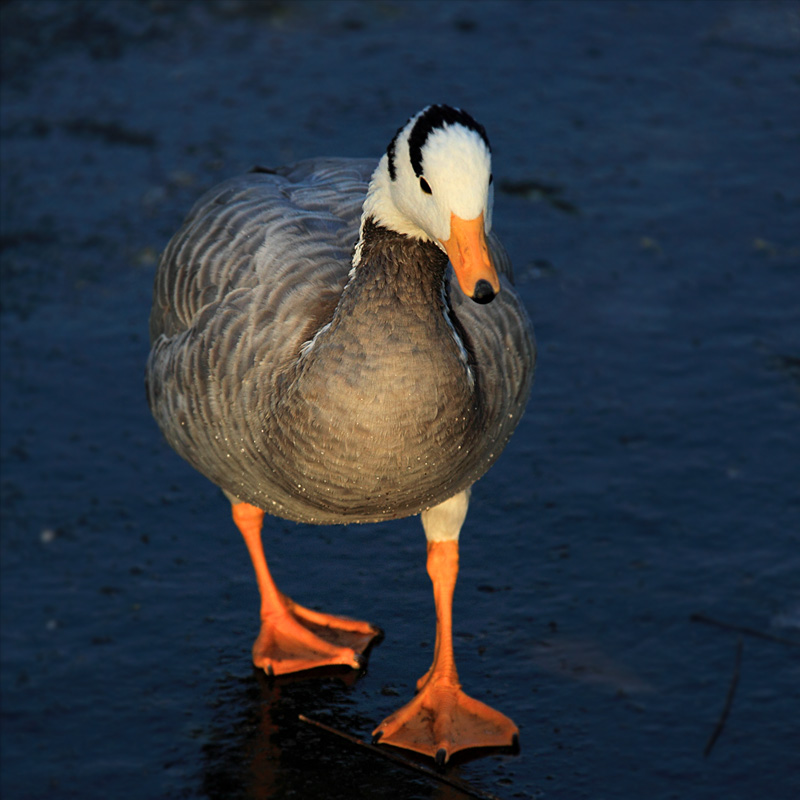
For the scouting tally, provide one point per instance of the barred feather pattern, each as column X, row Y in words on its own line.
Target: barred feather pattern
column 315, row 396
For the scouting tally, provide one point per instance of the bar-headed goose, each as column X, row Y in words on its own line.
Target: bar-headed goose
column 313, row 355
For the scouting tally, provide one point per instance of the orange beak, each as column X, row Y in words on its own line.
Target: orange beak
column 469, row 255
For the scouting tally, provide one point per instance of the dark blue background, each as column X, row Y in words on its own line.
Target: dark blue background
column 647, row 160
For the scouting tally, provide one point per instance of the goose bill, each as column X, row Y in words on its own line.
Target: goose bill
column 469, row 255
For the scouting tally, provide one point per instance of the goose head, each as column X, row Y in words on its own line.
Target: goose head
column 434, row 183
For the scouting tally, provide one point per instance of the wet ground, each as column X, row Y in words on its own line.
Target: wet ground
column 630, row 585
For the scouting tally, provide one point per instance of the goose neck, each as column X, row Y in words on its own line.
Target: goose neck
column 402, row 267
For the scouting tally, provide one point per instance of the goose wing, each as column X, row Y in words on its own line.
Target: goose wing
column 256, row 269
column 499, row 340
column 292, row 228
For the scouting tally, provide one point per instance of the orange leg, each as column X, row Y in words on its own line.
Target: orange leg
column 441, row 719
column 293, row 638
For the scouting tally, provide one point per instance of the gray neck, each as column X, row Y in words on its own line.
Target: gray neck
column 405, row 269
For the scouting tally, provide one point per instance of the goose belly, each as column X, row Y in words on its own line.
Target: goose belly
column 356, row 447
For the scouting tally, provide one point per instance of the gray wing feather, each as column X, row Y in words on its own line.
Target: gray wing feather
column 227, row 300
column 237, row 236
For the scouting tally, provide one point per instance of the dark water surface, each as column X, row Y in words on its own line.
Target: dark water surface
column 647, row 157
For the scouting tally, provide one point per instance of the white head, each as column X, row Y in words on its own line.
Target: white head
column 434, row 183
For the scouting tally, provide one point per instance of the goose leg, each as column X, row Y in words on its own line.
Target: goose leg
column 293, row 638
column 442, row 719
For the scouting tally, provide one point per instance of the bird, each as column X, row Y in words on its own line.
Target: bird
column 336, row 342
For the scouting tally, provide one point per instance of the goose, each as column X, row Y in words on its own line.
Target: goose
column 332, row 343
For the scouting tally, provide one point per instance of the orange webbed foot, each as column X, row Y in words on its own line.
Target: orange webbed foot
column 442, row 720
column 294, row 638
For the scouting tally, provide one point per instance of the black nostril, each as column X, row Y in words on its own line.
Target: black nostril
column 483, row 292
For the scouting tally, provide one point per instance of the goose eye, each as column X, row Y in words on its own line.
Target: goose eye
column 425, row 186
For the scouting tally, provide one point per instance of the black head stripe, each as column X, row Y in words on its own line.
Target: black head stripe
column 390, row 151
column 433, row 118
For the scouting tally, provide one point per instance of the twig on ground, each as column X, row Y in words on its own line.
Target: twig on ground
column 715, row 734
column 471, row 791
column 743, row 629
